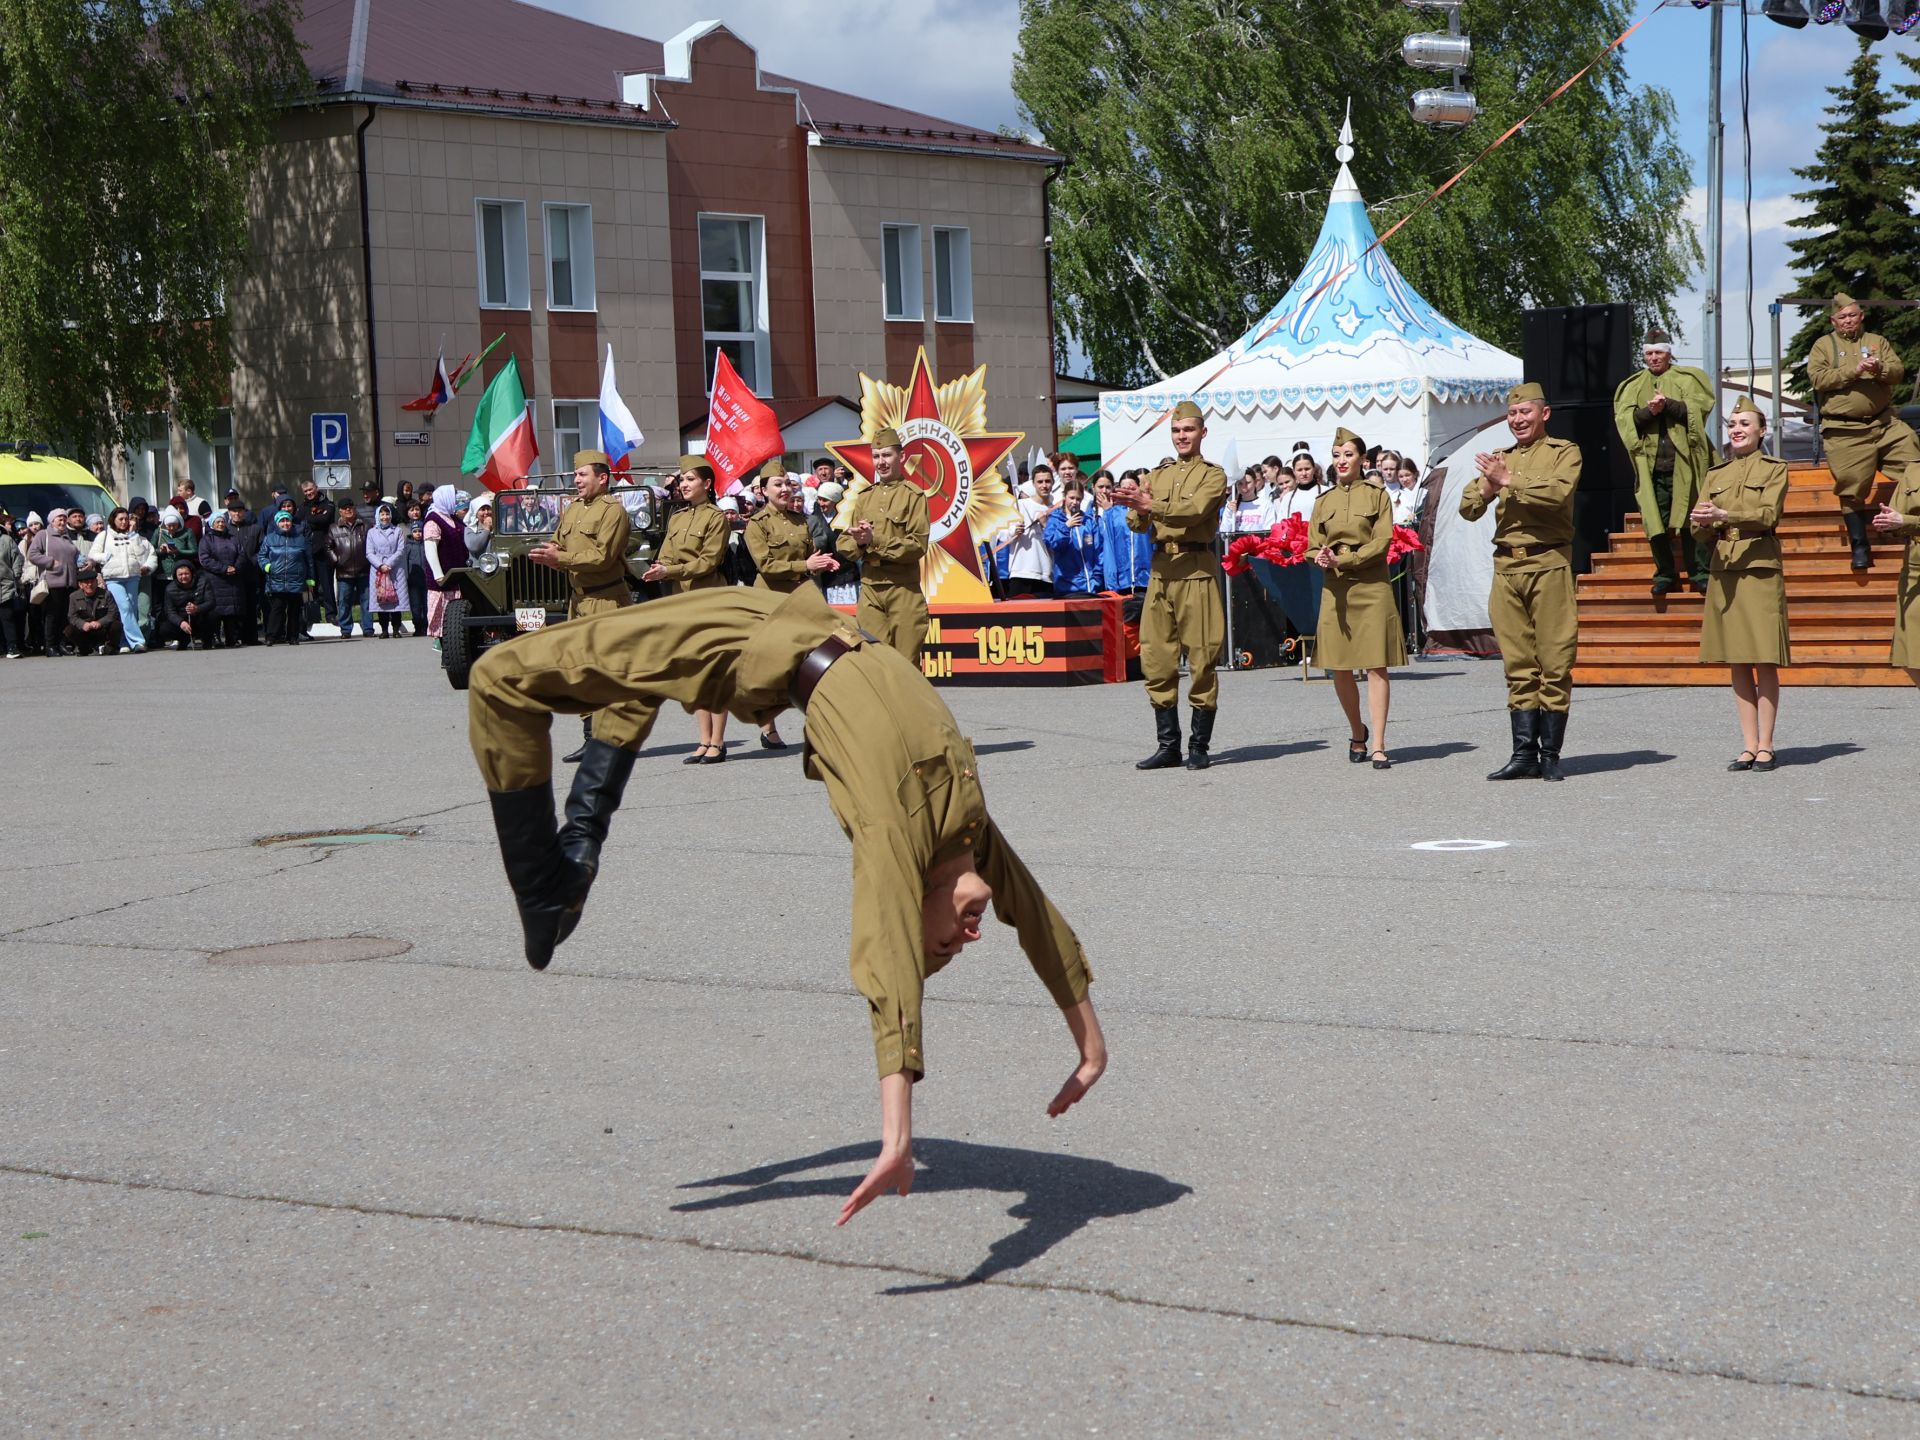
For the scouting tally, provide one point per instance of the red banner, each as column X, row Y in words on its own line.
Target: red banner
column 742, row 433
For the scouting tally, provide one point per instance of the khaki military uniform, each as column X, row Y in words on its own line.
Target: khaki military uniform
column 1182, row 613
column 1746, row 619
column 893, row 608
column 1906, row 615
column 695, row 547
column 1670, row 453
column 900, row 777
column 1861, row 433
column 1531, row 604
column 592, row 543
column 1360, row 627
column 780, row 544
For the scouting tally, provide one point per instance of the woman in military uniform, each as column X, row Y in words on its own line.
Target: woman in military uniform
column 1901, row 516
column 691, row 556
column 1350, row 534
column 1746, row 620
column 781, row 546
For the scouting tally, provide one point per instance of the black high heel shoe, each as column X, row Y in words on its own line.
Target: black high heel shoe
column 719, row 755
column 1764, row 765
column 1357, row 749
column 1745, row 761
column 1381, row 760
column 699, row 755
column 771, row 742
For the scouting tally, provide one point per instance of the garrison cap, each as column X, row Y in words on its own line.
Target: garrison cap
column 1842, row 300
column 1745, row 405
column 773, row 469
column 696, row 462
column 886, row 436
column 1343, row 435
column 1529, row 391
column 1187, row 410
column 590, row 457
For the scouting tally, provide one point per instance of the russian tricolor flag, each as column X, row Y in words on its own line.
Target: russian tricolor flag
column 619, row 432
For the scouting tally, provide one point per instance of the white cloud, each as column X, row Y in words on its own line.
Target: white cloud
column 1772, row 276
column 953, row 61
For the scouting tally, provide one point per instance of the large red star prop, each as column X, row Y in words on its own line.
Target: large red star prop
column 932, row 456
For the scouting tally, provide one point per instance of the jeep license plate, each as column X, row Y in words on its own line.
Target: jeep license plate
column 530, row 617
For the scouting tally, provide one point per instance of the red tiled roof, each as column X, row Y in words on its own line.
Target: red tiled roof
column 502, row 54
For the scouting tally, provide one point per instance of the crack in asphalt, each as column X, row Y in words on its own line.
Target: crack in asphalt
column 1657, row 1365
column 316, row 858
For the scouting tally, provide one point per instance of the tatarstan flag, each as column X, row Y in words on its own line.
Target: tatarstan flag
column 502, row 448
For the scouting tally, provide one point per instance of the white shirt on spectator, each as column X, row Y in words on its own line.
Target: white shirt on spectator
column 1407, row 500
column 1027, row 557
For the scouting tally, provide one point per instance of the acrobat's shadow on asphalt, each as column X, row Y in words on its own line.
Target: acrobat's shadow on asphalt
column 1061, row 1194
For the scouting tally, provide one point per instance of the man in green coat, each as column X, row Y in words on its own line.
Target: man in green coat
column 1662, row 414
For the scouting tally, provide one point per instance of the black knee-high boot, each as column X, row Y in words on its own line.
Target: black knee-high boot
column 586, row 738
column 548, row 888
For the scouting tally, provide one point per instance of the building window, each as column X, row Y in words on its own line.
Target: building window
column 952, row 274
column 210, row 459
column 150, row 468
column 570, row 257
column 501, row 242
column 733, row 299
column 576, row 426
column 900, row 271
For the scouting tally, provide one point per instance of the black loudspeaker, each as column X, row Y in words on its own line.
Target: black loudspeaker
column 1579, row 355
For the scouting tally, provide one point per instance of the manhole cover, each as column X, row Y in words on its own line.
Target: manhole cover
column 329, row 838
column 335, row 951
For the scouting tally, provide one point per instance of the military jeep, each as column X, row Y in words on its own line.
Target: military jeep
column 500, row 593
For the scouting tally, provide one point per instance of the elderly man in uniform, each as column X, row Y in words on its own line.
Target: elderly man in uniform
column 1179, row 506
column 1531, row 485
column 1853, row 373
column 1662, row 414
column 887, row 539
column 901, row 779
column 590, row 547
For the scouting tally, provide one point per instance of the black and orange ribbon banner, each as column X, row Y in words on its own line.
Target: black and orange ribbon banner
column 1341, row 274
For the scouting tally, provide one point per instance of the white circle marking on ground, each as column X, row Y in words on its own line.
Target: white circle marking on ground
column 1451, row 846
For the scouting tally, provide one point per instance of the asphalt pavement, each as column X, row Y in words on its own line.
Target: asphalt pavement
column 1599, row 1119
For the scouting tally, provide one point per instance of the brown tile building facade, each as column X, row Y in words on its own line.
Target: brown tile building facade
column 482, row 167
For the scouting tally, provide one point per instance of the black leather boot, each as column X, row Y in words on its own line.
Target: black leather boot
column 598, row 786
column 586, row 738
column 1857, row 538
column 1166, row 728
column 1525, row 761
column 1199, row 737
column 1552, row 729
column 548, row 889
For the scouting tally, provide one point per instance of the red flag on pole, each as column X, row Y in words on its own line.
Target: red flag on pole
column 742, row 432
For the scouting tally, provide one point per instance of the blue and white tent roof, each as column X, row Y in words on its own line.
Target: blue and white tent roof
column 1350, row 332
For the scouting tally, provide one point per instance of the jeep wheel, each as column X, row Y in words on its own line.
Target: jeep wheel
column 456, row 643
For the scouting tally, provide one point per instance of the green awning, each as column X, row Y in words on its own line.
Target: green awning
column 1084, row 443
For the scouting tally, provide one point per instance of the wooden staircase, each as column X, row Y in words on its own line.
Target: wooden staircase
column 1841, row 619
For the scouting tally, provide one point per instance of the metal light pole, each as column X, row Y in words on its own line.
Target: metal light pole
column 1716, row 183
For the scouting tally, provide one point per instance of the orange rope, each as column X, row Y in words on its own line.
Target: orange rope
column 1339, row 276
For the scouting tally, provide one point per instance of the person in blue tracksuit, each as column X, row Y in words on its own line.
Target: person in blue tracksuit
column 1125, row 554
column 1073, row 539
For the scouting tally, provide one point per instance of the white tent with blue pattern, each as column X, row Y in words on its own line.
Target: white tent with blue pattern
column 1364, row 351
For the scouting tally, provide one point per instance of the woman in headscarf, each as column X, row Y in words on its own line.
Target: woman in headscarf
column 479, row 524
column 387, row 565
column 222, row 561
column 444, row 540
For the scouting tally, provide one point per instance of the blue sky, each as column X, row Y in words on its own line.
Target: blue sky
column 878, row 47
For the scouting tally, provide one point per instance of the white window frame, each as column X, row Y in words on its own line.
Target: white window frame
column 586, row 431
column 513, row 228
column 759, row 338
column 210, row 458
column 960, row 282
column 141, row 472
column 580, row 253
column 911, row 301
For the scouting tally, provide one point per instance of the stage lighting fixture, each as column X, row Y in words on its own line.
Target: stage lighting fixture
column 1443, row 107
column 1437, row 52
column 1903, row 15
column 1865, row 20
column 1790, row 13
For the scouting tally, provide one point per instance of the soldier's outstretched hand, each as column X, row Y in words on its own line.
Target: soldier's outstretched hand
column 1087, row 1034
column 891, row 1172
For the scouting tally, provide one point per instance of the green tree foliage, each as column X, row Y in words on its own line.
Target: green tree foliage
column 1199, row 139
column 130, row 131
column 1864, row 238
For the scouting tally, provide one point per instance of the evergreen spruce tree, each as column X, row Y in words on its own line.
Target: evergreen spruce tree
column 1864, row 238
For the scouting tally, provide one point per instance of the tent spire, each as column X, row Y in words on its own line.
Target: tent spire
column 1343, row 186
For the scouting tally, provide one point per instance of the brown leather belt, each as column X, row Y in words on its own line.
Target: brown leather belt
column 1185, row 547
column 1751, row 532
column 1521, row 552
column 813, row 665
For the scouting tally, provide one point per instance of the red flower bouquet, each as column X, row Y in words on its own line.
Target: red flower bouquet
column 1284, row 544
